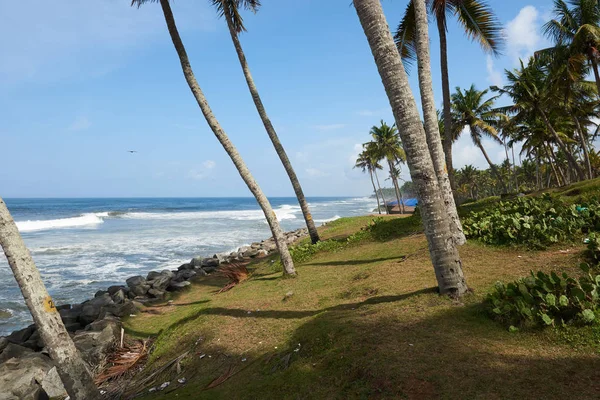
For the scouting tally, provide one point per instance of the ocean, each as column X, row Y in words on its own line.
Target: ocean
column 81, row 246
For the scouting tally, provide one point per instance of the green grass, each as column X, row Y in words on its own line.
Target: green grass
column 367, row 323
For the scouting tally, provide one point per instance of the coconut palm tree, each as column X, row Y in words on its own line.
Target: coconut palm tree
column 431, row 121
column 72, row 370
column 478, row 22
column 534, row 96
column 373, row 153
column 478, row 116
column 230, row 10
column 365, row 163
column 279, row 237
column 443, row 251
column 389, row 147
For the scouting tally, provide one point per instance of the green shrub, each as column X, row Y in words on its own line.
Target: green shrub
column 593, row 249
column 542, row 299
column 384, row 229
column 535, row 222
column 303, row 252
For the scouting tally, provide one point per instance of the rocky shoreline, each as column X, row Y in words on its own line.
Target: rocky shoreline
column 26, row 370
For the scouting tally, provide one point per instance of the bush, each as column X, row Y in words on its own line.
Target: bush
column 593, row 249
column 542, row 300
column 304, row 252
column 535, row 222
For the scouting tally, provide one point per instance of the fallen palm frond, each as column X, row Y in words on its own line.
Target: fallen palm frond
column 236, row 273
column 123, row 360
column 226, row 375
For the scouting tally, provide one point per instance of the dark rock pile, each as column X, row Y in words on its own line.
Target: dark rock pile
column 26, row 370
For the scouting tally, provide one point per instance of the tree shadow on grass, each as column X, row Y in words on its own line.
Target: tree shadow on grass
column 357, row 262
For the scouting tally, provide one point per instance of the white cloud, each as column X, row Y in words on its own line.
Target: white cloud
column 203, row 171
column 81, row 123
column 329, row 127
column 494, row 76
column 316, row 173
column 523, row 34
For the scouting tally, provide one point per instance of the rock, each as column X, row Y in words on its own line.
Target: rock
column 114, row 289
column 140, row 290
column 21, row 336
column 63, row 307
column 186, row 266
column 196, row 262
column 262, row 253
column 161, row 283
column 168, row 273
column 19, row 377
column 94, row 345
column 152, row 275
column 72, row 326
column 100, row 293
column 122, row 310
column 255, row 245
column 52, row 384
column 243, row 249
column 135, row 281
column 251, row 253
column 210, row 262
column 209, row 270
column 233, row 254
column 119, row 297
column 156, row 293
column 34, row 342
column 69, row 316
column 93, row 308
column 35, row 393
column 185, row 275
column 178, row 285
column 3, row 343
column 13, row 351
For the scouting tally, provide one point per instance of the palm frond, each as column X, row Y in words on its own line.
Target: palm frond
column 480, row 24
column 405, row 37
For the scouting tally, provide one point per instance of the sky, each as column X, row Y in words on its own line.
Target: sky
column 83, row 82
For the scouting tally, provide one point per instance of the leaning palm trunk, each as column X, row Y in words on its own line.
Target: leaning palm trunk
column 584, row 147
column 375, row 191
column 310, row 224
column 72, row 371
column 432, row 129
column 562, row 146
column 278, row 236
column 492, row 166
column 381, row 191
column 444, row 254
column 446, row 99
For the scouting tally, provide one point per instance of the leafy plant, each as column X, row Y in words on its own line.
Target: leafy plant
column 533, row 222
column 546, row 299
column 593, row 249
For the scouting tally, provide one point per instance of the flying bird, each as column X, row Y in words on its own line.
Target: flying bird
column 132, row 151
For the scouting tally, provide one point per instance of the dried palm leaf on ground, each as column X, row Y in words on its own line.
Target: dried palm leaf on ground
column 123, row 360
column 236, row 273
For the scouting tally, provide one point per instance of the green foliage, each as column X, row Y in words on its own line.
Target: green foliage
column 303, row 252
column 383, row 229
column 546, row 299
column 593, row 249
column 534, row 222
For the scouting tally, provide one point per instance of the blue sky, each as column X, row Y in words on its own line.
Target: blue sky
column 83, row 82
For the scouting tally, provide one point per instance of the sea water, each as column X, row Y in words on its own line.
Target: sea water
column 81, row 246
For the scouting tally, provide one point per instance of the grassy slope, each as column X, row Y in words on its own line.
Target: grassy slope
column 368, row 324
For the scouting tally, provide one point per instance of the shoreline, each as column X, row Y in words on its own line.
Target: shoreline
column 95, row 324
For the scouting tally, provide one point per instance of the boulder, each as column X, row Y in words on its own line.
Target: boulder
column 135, row 281
column 21, row 377
column 13, row 351
column 72, row 326
column 93, row 308
column 185, row 275
column 168, row 273
column 63, row 307
column 152, row 275
column 69, row 316
column 119, row 297
column 243, row 249
column 140, row 290
column 94, row 345
column 21, row 336
column 210, row 262
column 100, row 293
column 114, row 289
column 186, row 266
column 3, row 343
column 196, row 262
column 121, row 310
column 161, row 282
column 52, row 385
column 34, row 342
column 262, row 253
column 155, row 293
column 251, row 253
column 209, row 270
column 178, row 285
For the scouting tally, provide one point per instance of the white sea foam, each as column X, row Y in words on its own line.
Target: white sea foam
column 321, row 221
column 73, row 222
column 284, row 212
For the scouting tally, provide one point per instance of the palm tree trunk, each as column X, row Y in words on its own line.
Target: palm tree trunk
column 310, row 224
column 561, row 144
column 596, row 74
column 444, row 254
column 72, row 371
column 558, row 184
column 381, row 191
column 375, row 190
column 278, row 236
column 492, row 166
column 446, row 99
column 395, row 183
column 430, row 117
column 553, row 157
column 512, row 148
column 584, row 147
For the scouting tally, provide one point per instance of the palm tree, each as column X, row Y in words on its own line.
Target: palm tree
column 443, row 251
column 534, row 97
column 230, row 9
column 364, row 162
column 479, row 23
column 278, row 236
column 471, row 111
column 468, row 176
column 576, row 29
column 373, row 153
column 389, row 147
column 72, row 371
column 432, row 126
